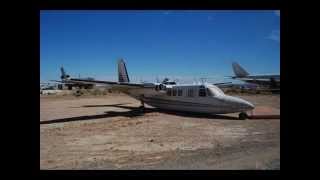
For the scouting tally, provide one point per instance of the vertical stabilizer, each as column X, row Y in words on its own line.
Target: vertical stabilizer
column 64, row 75
column 238, row 70
column 122, row 72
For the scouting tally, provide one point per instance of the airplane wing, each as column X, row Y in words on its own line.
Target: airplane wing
column 254, row 79
column 217, row 84
column 225, row 84
column 66, row 82
column 121, row 85
column 58, row 81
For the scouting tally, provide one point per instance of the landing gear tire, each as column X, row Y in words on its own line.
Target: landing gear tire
column 142, row 109
column 243, row 116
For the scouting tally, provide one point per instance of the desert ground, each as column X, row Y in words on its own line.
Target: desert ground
column 109, row 132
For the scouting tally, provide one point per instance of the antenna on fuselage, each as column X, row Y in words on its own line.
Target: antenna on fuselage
column 203, row 80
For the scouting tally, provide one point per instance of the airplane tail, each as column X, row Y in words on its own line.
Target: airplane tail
column 64, row 75
column 122, row 72
column 238, row 70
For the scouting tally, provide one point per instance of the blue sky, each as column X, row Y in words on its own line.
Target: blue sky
column 177, row 44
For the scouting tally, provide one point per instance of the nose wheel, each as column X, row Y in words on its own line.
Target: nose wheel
column 243, row 116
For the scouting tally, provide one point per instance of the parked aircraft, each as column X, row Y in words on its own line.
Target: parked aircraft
column 64, row 80
column 204, row 98
column 270, row 80
column 244, row 86
column 48, row 86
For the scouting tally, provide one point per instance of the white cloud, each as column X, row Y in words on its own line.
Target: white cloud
column 274, row 35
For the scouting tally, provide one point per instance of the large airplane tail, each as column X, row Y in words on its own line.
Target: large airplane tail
column 122, row 72
column 238, row 70
column 64, row 75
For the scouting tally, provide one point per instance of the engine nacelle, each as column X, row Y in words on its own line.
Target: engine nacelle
column 160, row 87
column 64, row 77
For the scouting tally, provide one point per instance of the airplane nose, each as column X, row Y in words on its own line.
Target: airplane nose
column 241, row 104
column 248, row 105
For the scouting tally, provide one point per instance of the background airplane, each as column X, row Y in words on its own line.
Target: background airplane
column 271, row 80
column 48, row 86
column 64, row 80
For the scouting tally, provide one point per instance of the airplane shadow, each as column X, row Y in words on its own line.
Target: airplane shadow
column 134, row 112
column 178, row 113
column 108, row 114
column 104, row 105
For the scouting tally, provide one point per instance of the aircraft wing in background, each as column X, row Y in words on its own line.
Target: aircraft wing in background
column 71, row 83
column 121, row 85
column 225, row 84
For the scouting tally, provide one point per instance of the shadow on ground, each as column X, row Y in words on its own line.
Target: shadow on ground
column 134, row 112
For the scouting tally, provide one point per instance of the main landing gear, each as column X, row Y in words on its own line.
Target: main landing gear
column 243, row 116
column 142, row 108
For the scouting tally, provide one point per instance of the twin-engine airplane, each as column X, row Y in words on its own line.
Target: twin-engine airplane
column 205, row 98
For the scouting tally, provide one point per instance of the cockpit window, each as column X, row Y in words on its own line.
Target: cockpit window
column 209, row 92
column 214, row 91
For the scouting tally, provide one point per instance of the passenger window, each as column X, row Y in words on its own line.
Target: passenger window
column 174, row 92
column 202, row 91
column 179, row 92
column 169, row 92
column 190, row 92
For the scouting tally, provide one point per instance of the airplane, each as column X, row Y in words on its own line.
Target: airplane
column 244, row 86
column 272, row 80
column 64, row 77
column 203, row 98
column 47, row 86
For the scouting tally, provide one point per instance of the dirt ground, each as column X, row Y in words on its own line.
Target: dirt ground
column 108, row 132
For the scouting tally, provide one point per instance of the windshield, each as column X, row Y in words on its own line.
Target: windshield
column 214, row 91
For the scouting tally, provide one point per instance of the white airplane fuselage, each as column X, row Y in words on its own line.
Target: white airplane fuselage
column 206, row 98
column 188, row 98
